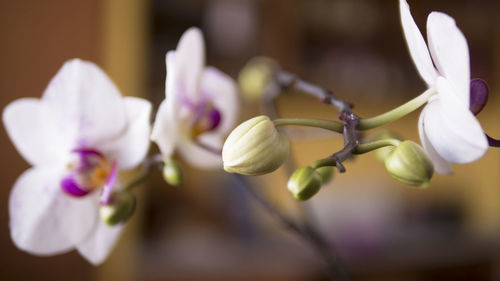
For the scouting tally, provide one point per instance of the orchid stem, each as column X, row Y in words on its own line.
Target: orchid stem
column 309, row 122
column 367, row 147
column 305, row 232
column 396, row 113
column 148, row 166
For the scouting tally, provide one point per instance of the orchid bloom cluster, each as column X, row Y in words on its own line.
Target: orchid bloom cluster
column 82, row 133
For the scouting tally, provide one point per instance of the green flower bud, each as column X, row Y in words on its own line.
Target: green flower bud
column 120, row 207
column 255, row 77
column 304, row 183
column 326, row 174
column 408, row 163
column 255, row 147
column 172, row 173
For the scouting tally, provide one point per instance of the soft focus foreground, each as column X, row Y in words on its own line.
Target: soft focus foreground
column 207, row 229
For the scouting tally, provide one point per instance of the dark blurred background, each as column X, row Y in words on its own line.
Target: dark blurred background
column 209, row 229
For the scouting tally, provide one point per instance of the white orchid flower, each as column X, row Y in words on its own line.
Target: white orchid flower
column 76, row 137
column 448, row 129
column 200, row 107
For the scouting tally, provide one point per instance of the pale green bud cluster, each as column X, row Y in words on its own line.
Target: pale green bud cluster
column 408, row 163
column 172, row 172
column 255, row 147
column 120, row 207
column 306, row 181
column 255, row 77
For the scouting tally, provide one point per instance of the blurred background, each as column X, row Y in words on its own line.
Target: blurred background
column 209, row 229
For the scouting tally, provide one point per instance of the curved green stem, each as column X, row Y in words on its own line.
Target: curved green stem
column 367, row 147
column 396, row 113
column 329, row 161
column 309, row 122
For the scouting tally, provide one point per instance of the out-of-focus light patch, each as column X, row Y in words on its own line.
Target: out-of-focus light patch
column 354, row 18
column 231, row 26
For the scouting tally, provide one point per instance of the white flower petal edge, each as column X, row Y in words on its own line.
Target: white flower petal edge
column 450, row 53
column 130, row 148
column 441, row 166
column 189, row 64
column 224, row 94
column 84, row 103
column 416, row 45
column 35, row 139
column 98, row 245
column 164, row 131
column 44, row 220
column 452, row 128
column 200, row 157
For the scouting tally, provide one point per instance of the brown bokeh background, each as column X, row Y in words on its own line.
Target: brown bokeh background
column 209, row 229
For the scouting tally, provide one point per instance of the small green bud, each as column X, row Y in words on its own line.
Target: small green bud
column 255, row 77
column 326, row 174
column 172, row 172
column 304, row 183
column 408, row 163
column 255, row 147
column 120, row 207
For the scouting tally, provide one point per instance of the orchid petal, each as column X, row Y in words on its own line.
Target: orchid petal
column 208, row 157
column 452, row 128
column 84, row 103
column 100, row 242
column 450, row 53
column 130, row 148
column 221, row 90
column 35, row 139
column 441, row 166
column 43, row 219
column 190, row 60
column 164, row 131
column 416, row 45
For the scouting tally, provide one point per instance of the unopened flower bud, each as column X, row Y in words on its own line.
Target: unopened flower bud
column 255, row 147
column 408, row 163
column 326, row 174
column 172, row 173
column 255, row 77
column 304, row 183
column 120, row 207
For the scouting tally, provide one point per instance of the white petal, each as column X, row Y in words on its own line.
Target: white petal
column 200, row 157
column 449, row 50
column 43, row 219
column 416, row 45
column 36, row 140
column 100, row 242
column 441, row 166
column 190, row 60
column 221, row 90
column 130, row 148
column 452, row 129
column 164, row 131
column 85, row 103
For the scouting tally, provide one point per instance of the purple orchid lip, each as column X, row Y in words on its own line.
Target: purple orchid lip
column 478, row 95
column 90, row 170
column 70, row 186
column 215, row 117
